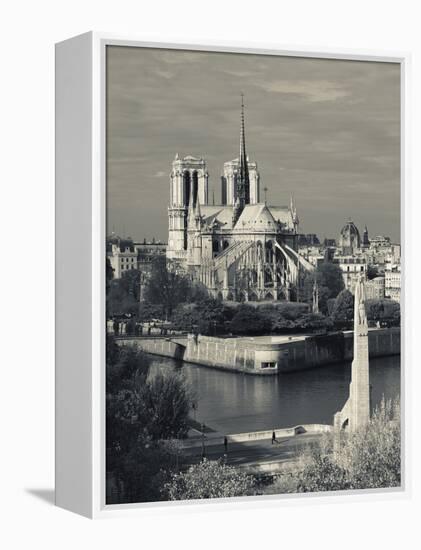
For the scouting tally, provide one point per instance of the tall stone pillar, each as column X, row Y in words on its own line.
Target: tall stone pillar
column 356, row 412
column 360, row 383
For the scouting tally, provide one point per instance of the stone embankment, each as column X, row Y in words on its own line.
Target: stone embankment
column 268, row 355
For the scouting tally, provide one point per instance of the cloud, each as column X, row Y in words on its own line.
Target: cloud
column 179, row 56
column 165, row 74
column 240, row 74
column 312, row 90
column 326, row 130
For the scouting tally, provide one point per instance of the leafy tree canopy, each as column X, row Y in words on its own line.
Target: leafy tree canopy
column 368, row 458
column 164, row 404
column 166, row 287
column 123, row 294
column 372, row 272
column 329, row 281
column 249, row 320
column 209, row 479
column 343, row 308
column 387, row 311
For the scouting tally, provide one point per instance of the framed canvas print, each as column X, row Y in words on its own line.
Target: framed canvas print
column 230, row 259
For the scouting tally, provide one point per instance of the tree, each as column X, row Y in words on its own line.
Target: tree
column 197, row 293
column 209, row 479
column 164, row 403
column 148, row 311
column 384, row 311
column 372, row 272
column 123, row 294
column 126, row 368
column 141, row 470
column 109, row 273
column 372, row 456
column 140, row 412
column 329, row 275
column 313, row 321
column 329, row 281
column 130, row 282
column 249, row 320
column 166, row 287
column 126, row 371
column 212, row 316
column 368, row 458
column 322, row 474
column 343, row 308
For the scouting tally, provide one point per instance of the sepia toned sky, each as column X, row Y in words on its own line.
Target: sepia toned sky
column 327, row 131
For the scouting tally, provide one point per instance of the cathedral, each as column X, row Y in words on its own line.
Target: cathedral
column 241, row 249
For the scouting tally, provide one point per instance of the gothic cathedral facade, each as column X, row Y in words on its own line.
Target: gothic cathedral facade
column 241, row 249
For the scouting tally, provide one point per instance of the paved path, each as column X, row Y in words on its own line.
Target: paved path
column 255, row 451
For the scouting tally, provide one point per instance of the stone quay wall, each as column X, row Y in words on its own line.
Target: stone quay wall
column 175, row 349
column 264, row 358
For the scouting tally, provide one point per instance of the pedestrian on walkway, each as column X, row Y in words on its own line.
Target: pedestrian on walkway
column 203, row 445
column 274, row 438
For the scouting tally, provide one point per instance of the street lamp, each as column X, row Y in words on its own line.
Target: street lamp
column 203, row 440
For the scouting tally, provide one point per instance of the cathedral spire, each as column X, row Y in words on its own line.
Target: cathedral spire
column 243, row 182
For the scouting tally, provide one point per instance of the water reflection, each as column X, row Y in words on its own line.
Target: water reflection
column 234, row 402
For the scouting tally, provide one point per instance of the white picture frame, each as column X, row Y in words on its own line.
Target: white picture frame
column 80, row 270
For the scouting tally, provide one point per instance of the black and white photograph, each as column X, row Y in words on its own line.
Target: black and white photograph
column 253, row 274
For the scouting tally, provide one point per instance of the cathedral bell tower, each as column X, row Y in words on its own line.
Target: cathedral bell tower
column 188, row 186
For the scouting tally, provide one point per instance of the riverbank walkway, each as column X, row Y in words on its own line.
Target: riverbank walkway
column 254, row 456
column 254, row 451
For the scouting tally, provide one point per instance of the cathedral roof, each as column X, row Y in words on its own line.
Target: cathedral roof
column 261, row 216
column 256, row 216
column 222, row 215
column 283, row 215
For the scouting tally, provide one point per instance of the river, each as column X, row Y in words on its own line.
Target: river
column 233, row 402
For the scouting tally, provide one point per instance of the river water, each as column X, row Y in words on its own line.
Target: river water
column 232, row 402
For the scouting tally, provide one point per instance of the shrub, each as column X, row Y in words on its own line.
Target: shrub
column 209, row 479
column 249, row 320
column 368, row 458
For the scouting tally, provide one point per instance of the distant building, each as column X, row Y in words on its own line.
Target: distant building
column 393, row 283
column 352, row 268
column 123, row 257
column 147, row 252
column 382, row 253
column 329, row 243
column 395, row 254
column 310, row 239
column 349, row 239
column 313, row 254
column 375, row 289
column 366, row 241
column 379, row 241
